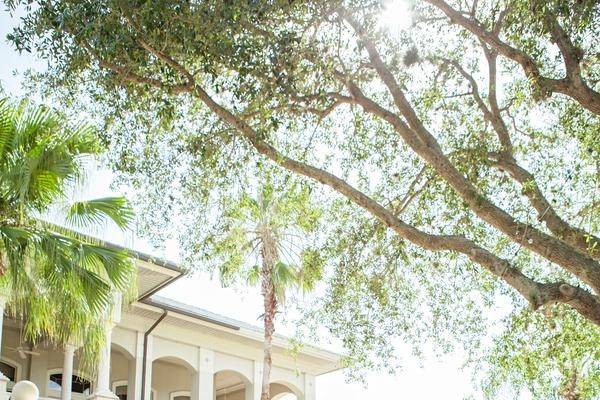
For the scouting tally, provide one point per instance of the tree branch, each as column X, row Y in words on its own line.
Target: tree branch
column 491, row 114
column 426, row 146
column 578, row 238
column 537, row 294
column 584, row 241
column 131, row 77
column 530, row 289
column 572, row 86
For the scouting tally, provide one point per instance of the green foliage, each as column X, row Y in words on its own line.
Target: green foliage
column 273, row 63
column 287, row 213
column 561, row 342
column 95, row 211
column 59, row 283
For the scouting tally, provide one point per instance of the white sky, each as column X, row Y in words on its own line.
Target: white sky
column 432, row 378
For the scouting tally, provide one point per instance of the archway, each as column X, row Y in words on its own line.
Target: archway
column 284, row 391
column 172, row 379
column 231, row 385
column 81, row 384
column 122, row 372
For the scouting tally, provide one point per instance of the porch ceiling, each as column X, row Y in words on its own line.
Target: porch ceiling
column 152, row 277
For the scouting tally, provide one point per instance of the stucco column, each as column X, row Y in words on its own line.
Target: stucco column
column 309, row 387
column 67, row 372
column 148, row 371
column 134, row 380
column 256, row 382
column 3, row 379
column 102, row 388
column 249, row 392
column 203, row 385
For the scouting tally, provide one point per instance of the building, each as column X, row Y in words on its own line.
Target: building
column 164, row 350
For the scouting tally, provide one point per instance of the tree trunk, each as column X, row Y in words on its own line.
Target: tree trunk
column 570, row 390
column 269, row 258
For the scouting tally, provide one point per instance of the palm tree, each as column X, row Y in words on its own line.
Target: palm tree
column 60, row 283
column 268, row 229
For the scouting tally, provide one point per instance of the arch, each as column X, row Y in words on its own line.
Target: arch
column 122, row 350
column 243, row 366
column 289, row 378
column 238, row 374
column 176, row 360
column 125, row 341
column 180, row 393
column 56, row 392
column 282, row 387
column 227, row 381
column 171, row 375
column 167, row 350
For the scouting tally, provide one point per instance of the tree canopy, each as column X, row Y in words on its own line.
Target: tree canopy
column 459, row 158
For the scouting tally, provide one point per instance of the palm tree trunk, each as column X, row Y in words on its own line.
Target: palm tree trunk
column 269, row 258
column 570, row 390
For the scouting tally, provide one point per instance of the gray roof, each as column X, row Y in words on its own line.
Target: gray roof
column 146, row 257
column 202, row 314
column 161, row 262
column 221, row 320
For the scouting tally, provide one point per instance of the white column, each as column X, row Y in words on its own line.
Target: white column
column 134, row 381
column 3, row 379
column 309, row 387
column 67, row 372
column 102, row 388
column 256, row 381
column 204, row 388
column 148, row 372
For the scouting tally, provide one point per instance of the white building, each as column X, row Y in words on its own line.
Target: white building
column 165, row 350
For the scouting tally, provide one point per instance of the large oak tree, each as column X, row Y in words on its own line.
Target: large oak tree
column 470, row 139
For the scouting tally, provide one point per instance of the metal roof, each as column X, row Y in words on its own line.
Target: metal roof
column 161, row 262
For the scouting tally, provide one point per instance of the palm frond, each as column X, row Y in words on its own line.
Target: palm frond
column 40, row 153
column 253, row 276
column 61, row 283
column 6, row 125
column 88, row 213
column 284, row 276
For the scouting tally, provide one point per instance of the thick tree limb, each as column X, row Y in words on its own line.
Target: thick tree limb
column 504, row 160
column 551, row 248
column 537, row 294
column 426, row 146
column 579, row 238
column 491, row 114
column 572, row 85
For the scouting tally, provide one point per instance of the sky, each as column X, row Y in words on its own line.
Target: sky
column 431, row 378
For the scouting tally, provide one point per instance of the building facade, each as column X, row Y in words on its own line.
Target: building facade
column 158, row 349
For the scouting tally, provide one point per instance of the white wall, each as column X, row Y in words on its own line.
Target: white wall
column 174, row 356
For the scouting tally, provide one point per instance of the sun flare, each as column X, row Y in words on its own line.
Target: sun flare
column 396, row 15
